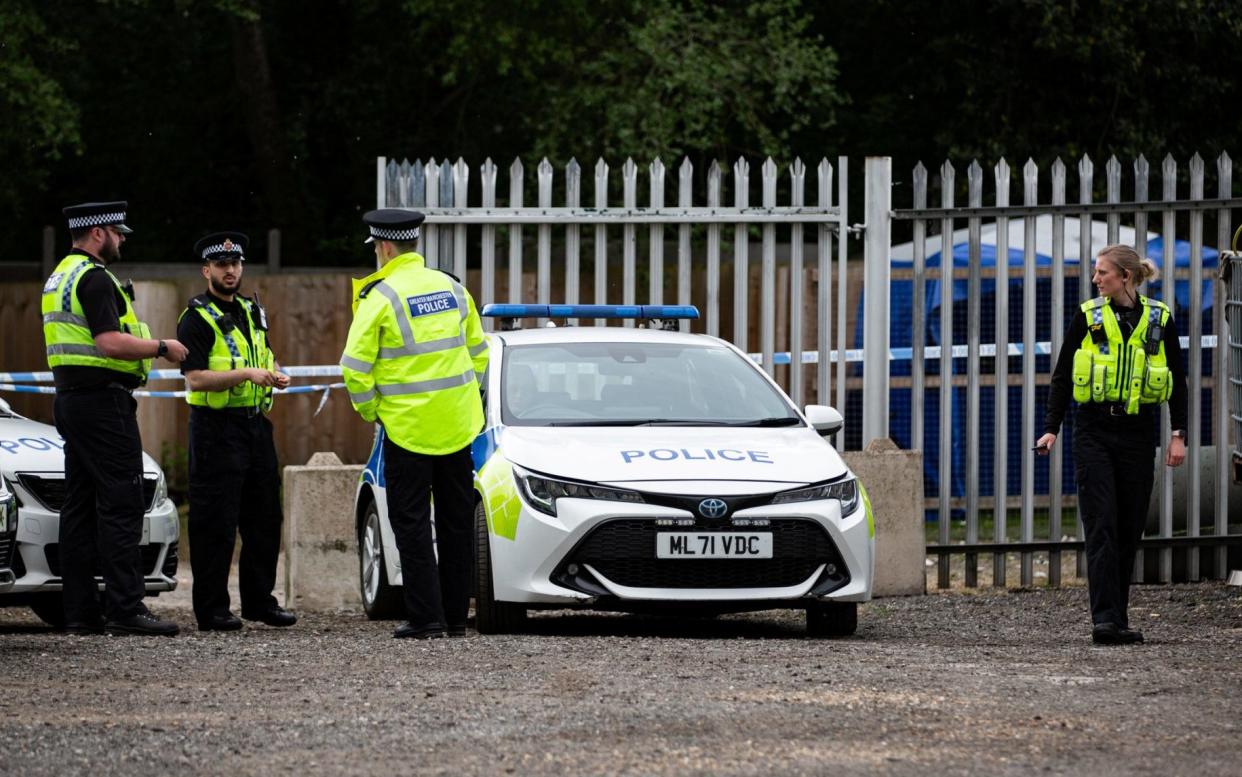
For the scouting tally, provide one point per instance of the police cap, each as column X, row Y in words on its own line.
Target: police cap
column 221, row 245
column 98, row 214
column 395, row 224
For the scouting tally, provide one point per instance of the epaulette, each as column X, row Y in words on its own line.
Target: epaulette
column 201, row 301
column 1154, row 303
column 362, row 294
column 451, row 275
column 1092, row 304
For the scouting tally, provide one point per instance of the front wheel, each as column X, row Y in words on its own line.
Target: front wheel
column 831, row 619
column 380, row 600
column 490, row 616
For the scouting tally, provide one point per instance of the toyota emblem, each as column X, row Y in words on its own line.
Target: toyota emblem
column 713, row 508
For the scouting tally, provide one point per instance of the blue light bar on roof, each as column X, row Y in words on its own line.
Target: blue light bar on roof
column 498, row 310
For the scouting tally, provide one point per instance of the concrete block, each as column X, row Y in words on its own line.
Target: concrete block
column 321, row 548
column 894, row 481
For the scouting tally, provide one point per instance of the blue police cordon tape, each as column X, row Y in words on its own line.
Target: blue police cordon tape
column 13, row 382
column 853, row 355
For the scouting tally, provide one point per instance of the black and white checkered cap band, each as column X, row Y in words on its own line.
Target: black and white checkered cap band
column 97, row 220
column 394, row 234
column 222, row 249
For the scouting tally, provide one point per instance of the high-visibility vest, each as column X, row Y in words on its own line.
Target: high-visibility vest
column 66, row 331
column 415, row 357
column 231, row 350
column 1133, row 371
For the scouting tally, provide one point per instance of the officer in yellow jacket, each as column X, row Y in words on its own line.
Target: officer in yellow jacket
column 414, row 360
column 230, row 375
column 99, row 353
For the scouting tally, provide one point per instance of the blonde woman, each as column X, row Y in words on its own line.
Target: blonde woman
column 1120, row 361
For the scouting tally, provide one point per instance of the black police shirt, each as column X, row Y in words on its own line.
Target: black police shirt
column 196, row 334
column 102, row 302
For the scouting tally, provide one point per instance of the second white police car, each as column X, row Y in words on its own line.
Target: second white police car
column 32, row 465
column 643, row 469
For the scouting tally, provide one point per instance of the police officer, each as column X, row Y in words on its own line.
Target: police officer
column 234, row 480
column 99, row 353
column 414, row 360
column 1121, row 360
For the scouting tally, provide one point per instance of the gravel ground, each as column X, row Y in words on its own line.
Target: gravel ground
column 991, row 682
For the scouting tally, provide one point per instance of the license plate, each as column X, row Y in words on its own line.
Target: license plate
column 714, row 545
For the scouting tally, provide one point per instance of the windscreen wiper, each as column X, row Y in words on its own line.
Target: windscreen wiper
column 781, row 421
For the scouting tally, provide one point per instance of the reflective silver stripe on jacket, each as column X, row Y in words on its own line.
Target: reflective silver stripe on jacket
column 363, row 398
column 460, row 294
column 478, row 349
column 64, row 317
column 357, row 365
column 418, row 349
column 394, row 299
column 74, row 349
column 426, row 386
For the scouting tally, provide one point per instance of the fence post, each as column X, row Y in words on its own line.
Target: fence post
column 878, row 175
column 49, row 251
column 273, row 251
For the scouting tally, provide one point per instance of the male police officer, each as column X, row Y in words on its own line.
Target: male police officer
column 99, row 353
column 414, row 360
column 234, row 480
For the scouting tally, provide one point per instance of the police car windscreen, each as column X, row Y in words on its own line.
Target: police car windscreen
column 609, row 383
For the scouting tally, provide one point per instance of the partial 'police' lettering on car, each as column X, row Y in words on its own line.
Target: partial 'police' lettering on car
column 430, row 304
column 698, row 454
column 33, row 443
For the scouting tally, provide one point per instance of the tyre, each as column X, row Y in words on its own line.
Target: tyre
column 831, row 619
column 490, row 616
column 380, row 600
column 50, row 608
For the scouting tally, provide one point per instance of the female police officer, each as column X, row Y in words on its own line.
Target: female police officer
column 1121, row 360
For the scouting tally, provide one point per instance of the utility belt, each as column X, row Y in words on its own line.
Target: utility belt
column 234, row 412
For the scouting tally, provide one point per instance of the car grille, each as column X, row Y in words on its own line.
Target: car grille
column 51, row 491
column 8, row 544
column 624, row 551
column 150, row 554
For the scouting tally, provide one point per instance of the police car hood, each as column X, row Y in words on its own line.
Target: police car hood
column 29, row 446
column 660, row 453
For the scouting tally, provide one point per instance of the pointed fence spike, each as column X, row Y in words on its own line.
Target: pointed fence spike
column 1196, row 163
column 516, row 167
column 687, row 167
column 769, row 167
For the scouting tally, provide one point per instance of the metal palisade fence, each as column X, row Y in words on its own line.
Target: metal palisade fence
column 701, row 223
column 1023, row 266
column 1039, row 249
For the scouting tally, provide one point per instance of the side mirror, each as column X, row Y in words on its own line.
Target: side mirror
column 825, row 419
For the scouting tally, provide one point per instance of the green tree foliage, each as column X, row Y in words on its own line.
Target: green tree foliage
column 253, row 114
column 40, row 125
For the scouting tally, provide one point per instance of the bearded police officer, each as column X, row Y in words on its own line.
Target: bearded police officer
column 234, row 481
column 414, row 360
column 99, row 353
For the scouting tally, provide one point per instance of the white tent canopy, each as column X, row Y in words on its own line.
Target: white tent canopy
column 904, row 253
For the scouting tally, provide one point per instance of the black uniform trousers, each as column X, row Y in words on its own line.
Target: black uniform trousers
column 101, row 521
column 435, row 572
column 1114, row 466
column 234, row 487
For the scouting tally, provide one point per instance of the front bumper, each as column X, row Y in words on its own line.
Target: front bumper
column 37, row 562
column 595, row 550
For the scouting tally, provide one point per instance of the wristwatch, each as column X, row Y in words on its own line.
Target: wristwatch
column 1179, row 433
column 162, row 350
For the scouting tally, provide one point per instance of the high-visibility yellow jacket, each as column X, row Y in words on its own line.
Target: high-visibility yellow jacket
column 233, row 350
column 1110, row 368
column 66, row 331
column 416, row 356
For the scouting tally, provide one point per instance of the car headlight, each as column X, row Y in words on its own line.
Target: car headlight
column 542, row 491
column 8, row 509
column 161, row 490
column 844, row 491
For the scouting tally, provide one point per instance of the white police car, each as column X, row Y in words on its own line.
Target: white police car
column 634, row 469
column 33, row 468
